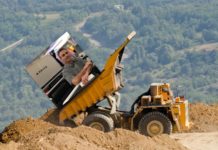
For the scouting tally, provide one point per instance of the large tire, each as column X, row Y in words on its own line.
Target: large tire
column 99, row 121
column 155, row 123
column 69, row 123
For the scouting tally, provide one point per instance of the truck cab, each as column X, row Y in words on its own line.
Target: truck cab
column 46, row 71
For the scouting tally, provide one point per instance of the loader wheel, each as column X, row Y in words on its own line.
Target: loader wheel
column 99, row 122
column 155, row 123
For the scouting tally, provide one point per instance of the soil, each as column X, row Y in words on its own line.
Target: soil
column 47, row 133
column 203, row 117
column 198, row 141
column 37, row 134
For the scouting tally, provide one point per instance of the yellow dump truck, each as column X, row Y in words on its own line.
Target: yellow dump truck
column 154, row 112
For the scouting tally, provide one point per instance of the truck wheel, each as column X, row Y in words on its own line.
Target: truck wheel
column 99, row 122
column 69, row 123
column 155, row 123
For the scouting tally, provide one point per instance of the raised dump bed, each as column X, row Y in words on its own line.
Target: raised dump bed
column 107, row 83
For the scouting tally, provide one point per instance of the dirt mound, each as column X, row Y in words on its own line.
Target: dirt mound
column 51, row 116
column 204, row 117
column 37, row 134
column 19, row 128
column 87, row 138
column 46, row 133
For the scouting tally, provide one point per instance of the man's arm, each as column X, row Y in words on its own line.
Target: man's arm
column 88, row 68
column 83, row 74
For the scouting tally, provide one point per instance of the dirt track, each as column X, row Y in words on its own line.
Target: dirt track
column 45, row 134
column 203, row 134
column 198, row 141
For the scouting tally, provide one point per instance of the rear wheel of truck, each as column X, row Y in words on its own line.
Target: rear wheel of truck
column 99, row 122
column 155, row 123
column 70, row 123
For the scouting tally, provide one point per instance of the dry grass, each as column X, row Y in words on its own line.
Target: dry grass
column 204, row 47
column 47, row 18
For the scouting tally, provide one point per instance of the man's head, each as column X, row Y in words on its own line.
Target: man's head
column 64, row 55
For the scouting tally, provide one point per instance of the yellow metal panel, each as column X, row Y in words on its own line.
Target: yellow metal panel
column 89, row 96
column 103, row 85
column 176, row 110
column 183, row 115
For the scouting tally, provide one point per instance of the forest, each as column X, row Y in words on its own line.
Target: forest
column 176, row 42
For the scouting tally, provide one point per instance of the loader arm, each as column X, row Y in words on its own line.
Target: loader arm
column 107, row 83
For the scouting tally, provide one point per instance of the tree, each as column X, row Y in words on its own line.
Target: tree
column 165, row 54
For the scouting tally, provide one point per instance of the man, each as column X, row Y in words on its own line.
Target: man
column 75, row 69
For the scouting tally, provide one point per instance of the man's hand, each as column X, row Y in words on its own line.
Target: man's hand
column 87, row 68
column 87, row 64
column 85, row 78
column 83, row 74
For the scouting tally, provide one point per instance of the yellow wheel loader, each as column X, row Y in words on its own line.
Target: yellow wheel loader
column 154, row 112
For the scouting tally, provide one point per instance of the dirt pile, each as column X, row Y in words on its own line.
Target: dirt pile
column 88, row 138
column 204, row 117
column 51, row 116
column 19, row 128
column 46, row 133
column 37, row 134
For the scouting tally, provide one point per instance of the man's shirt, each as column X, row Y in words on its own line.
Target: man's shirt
column 72, row 69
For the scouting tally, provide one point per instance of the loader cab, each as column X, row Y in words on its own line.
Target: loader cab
column 46, row 71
